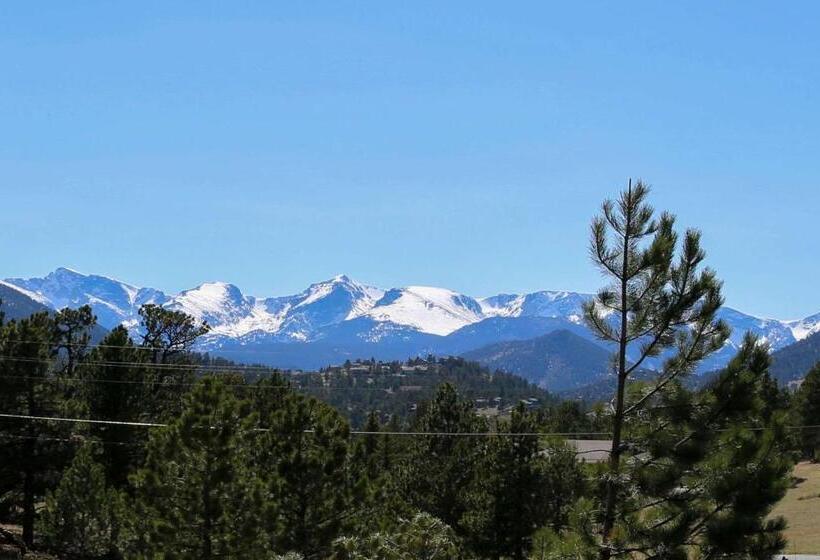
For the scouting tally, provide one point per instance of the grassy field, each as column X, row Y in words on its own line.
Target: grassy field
column 801, row 508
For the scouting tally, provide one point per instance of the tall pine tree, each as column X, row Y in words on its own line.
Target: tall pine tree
column 305, row 455
column 195, row 495
column 658, row 492
column 29, row 458
column 808, row 413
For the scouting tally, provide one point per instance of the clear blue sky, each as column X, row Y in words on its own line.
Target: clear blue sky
column 460, row 144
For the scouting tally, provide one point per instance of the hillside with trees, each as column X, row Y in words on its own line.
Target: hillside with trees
column 144, row 449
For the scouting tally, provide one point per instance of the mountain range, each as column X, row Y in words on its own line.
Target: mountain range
column 340, row 318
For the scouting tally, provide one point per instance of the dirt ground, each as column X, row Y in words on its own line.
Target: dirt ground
column 801, row 508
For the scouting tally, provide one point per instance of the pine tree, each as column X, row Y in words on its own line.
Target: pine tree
column 305, row 456
column 659, row 493
column 71, row 335
column 168, row 335
column 28, row 457
column 747, row 459
column 808, row 407
column 520, row 488
column 422, row 537
column 438, row 470
column 195, row 495
column 114, row 389
column 82, row 517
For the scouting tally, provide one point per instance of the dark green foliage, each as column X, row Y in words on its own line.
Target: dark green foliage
column 518, row 487
column 573, row 417
column 114, row 391
column 423, row 536
column 195, row 495
column 396, row 393
column 167, row 337
column 808, row 413
column 168, row 333
column 305, row 453
column 684, row 469
column 439, row 470
column 29, row 460
column 71, row 335
column 82, row 517
column 707, row 467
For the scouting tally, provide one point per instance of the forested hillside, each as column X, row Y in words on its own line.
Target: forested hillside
column 557, row 361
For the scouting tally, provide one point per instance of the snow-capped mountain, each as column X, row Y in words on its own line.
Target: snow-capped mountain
column 431, row 310
column 805, row 327
column 343, row 317
column 114, row 302
column 568, row 305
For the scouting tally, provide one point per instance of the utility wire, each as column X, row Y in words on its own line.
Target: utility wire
column 91, row 346
column 353, row 432
column 170, row 367
column 217, row 367
column 365, row 432
column 247, row 386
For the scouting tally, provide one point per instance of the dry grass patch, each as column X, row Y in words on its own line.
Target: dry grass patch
column 801, row 508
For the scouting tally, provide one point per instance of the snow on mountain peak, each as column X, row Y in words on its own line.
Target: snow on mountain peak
column 113, row 301
column 308, row 315
column 803, row 328
column 432, row 310
column 33, row 295
column 214, row 302
column 536, row 304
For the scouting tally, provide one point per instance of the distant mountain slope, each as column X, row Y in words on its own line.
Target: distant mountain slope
column 794, row 362
column 17, row 304
column 341, row 318
column 556, row 361
column 113, row 302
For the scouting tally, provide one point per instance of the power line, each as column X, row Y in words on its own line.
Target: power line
column 365, row 432
column 176, row 368
column 82, row 420
column 91, row 346
column 247, row 386
column 217, row 367
column 352, row 432
column 171, row 367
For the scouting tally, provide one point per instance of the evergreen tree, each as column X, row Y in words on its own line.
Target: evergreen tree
column 305, row 455
column 195, row 496
column 268, row 395
column 520, row 488
column 808, row 408
column 168, row 335
column 366, row 456
column 651, row 297
column 439, row 469
column 662, row 493
column 114, row 389
column 28, row 456
column 82, row 517
column 422, row 537
column 167, row 332
column 71, row 335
